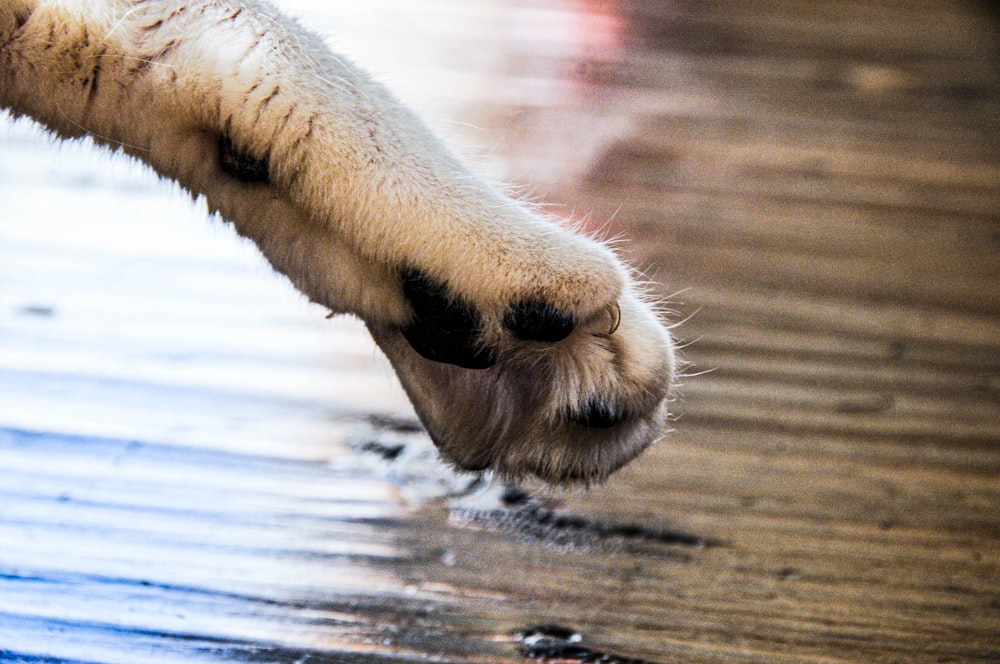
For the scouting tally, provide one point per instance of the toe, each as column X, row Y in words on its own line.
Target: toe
column 444, row 328
column 533, row 320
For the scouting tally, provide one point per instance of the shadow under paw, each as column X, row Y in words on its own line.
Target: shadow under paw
column 529, row 519
column 476, row 502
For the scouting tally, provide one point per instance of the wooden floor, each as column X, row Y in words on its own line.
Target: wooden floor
column 195, row 466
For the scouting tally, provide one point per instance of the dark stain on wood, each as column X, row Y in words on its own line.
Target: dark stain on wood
column 555, row 643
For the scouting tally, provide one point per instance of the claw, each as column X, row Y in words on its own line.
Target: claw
column 615, row 313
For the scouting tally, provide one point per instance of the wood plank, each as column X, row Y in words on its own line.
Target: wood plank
column 195, row 466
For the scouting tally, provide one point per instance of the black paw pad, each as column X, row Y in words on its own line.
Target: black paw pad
column 241, row 165
column 444, row 328
column 599, row 415
column 532, row 320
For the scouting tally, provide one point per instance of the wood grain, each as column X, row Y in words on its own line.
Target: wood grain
column 195, row 466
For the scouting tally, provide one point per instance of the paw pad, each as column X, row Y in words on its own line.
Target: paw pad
column 599, row 415
column 532, row 320
column 444, row 328
column 241, row 165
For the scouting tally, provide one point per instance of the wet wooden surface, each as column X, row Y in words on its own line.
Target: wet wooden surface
column 195, row 466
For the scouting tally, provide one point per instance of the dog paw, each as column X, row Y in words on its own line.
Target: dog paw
column 566, row 410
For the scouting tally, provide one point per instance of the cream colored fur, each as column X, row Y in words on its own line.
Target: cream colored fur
column 357, row 190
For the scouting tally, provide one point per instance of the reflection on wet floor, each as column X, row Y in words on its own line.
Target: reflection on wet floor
column 197, row 466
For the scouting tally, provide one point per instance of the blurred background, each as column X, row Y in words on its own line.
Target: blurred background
column 813, row 187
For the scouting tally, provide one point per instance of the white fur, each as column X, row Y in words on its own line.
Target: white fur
column 358, row 189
